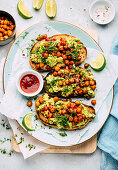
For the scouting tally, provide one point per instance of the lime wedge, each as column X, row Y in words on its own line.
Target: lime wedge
column 27, row 122
column 99, row 63
column 23, row 11
column 50, row 8
column 37, row 4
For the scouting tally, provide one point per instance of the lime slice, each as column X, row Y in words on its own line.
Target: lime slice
column 99, row 63
column 37, row 4
column 50, row 8
column 27, row 122
column 23, row 11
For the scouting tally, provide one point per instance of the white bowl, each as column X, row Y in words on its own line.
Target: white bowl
column 19, row 77
column 99, row 4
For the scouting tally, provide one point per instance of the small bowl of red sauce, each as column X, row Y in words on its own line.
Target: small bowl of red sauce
column 29, row 83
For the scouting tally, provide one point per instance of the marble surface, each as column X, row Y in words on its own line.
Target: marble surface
column 75, row 12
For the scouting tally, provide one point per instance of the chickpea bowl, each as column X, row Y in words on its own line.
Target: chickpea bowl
column 7, row 28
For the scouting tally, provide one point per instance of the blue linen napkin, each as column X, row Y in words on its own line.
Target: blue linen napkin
column 108, row 138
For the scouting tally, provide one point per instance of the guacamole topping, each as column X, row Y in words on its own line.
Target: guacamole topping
column 50, row 52
column 72, row 82
column 64, row 114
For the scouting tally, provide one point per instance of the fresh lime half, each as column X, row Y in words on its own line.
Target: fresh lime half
column 50, row 8
column 99, row 63
column 23, row 11
column 37, row 4
column 27, row 122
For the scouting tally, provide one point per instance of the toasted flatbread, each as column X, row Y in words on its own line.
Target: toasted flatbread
column 59, row 94
column 82, row 53
column 45, row 120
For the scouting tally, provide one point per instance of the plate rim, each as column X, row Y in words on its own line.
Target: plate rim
column 4, row 80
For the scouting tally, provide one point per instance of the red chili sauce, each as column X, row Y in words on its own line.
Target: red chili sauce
column 29, row 83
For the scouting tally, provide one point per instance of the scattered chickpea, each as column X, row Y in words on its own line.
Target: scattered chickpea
column 93, row 102
column 29, row 103
column 86, row 65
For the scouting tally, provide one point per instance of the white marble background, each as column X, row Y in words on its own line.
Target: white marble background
column 70, row 11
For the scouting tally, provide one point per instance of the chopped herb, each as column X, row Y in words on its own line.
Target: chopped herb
column 42, row 127
column 36, row 117
column 5, row 139
column 21, row 140
column 47, row 28
column 3, row 151
column 50, row 127
column 30, row 146
column 62, row 134
column 25, row 34
column 6, row 126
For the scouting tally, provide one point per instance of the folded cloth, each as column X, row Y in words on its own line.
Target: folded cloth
column 108, row 139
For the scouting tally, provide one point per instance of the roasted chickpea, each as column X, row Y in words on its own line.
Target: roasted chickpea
column 75, row 119
column 84, row 116
column 92, row 83
column 37, row 65
column 44, row 36
column 12, row 27
column 70, row 119
column 46, row 44
column 50, row 115
column 63, row 42
column 41, row 64
column 66, row 71
column 45, row 55
column 1, row 38
column 93, row 87
column 65, row 47
column 72, row 105
column 59, row 72
column 6, row 22
column 78, row 110
column 56, row 99
column 70, row 110
column 6, row 37
column 64, row 56
column 4, row 26
column 70, row 66
column 67, row 81
column 77, row 88
column 79, row 58
column 67, row 62
column 58, row 54
column 55, row 74
column 64, row 111
column 93, row 102
column 61, row 48
column 87, row 83
column 69, row 57
column 60, row 83
column 84, row 90
column 80, row 119
column 5, row 32
column 57, row 68
column 71, row 62
column 29, row 103
column 77, row 102
column 86, row 65
column 80, row 92
column 9, row 33
column 52, row 109
column 1, row 34
column 2, row 22
column 41, row 100
column 37, row 103
column 71, row 80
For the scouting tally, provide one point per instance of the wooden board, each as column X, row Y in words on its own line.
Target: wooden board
column 84, row 148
